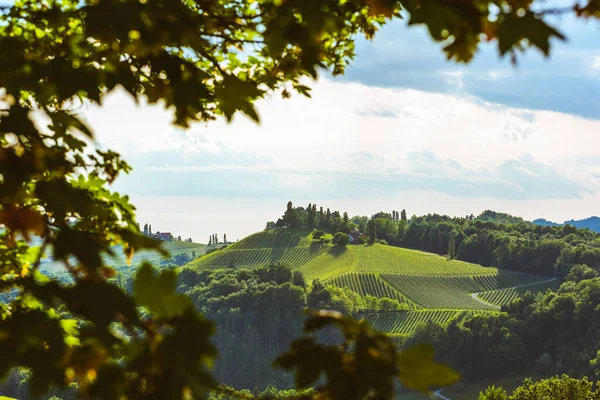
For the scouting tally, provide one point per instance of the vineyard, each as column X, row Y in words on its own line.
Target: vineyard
column 503, row 280
column 395, row 260
column 251, row 258
column 506, row 296
column 407, row 321
column 275, row 238
column 436, row 291
column 367, row 284
column 444, row 288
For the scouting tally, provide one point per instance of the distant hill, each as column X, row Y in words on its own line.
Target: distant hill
column 592, row 223
column 175, row 248
column 503, row 218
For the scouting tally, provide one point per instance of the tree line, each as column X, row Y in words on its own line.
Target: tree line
column 490, row 239
column 549, row 333
column 213, row 239
column 162, row 236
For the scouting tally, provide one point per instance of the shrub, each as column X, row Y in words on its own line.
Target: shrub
column 340, row 239
column 493, row 393
column 318, row 234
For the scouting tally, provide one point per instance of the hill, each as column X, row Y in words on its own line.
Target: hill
column 435, row 287
column 591, row 223
column 499, row 217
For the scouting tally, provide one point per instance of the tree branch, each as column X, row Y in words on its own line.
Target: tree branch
column 228, row 39
column 555, row 11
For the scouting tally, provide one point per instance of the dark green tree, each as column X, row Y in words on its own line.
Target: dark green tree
column 371, row 232
column 318, row 234
column 290, row 217
column 340, row 239
column 403, row 215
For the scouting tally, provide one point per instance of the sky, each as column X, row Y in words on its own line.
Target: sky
column 403, row 129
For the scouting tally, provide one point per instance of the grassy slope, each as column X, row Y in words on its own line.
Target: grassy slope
column 427, row 280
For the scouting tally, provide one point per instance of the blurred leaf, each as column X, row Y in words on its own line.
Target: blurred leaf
column 419, row 372
column 157, row 292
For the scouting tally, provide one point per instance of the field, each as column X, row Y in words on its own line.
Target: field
column 407, row 321
column 505, row 296
column 441, row 288
column 368, row 284
column 438, row 292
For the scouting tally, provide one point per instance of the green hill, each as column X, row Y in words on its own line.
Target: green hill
column 440, row 289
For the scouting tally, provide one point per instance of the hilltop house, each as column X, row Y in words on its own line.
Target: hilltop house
column 354, row 235
column 164, row 236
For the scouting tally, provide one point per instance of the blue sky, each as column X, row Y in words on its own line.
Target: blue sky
column 404, row 128
column 567, row 82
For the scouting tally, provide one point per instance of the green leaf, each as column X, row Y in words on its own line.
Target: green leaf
column 157, row 292
column 419, row 372
column 320, row 319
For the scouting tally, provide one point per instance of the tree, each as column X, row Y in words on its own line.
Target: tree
column 225, row 238
column 493, row 393
column 290, row 217
column 556, row 388
column 145, row 229
column 318, row 234
column 179, row 238
column 201, row 62
column 310, row 217
column 403, row 215
column 452, row 245
column 371, row 232
column 340, row 239
column 210, row 241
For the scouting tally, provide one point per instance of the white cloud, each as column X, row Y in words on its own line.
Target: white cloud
column 596, row 63
column 346, row 118
column 349, row 128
